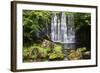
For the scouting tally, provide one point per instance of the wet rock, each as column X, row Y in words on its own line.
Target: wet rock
column 47, row 44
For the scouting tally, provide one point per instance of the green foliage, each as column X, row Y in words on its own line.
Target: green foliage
column 58, row 48
column 52, row 56
column 38, row 53
column 33, row 23
column 25, row 54
column 56, row 56
column 82, row 19
column 60, row 56
column 57, row 53
column 81, row 49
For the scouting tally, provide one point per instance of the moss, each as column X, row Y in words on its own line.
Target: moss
column 76, row 54
column 53, row 56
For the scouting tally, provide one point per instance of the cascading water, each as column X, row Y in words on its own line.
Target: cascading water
column 71, row 30
column 63, row 32
column 62, row 28
column 54, row 27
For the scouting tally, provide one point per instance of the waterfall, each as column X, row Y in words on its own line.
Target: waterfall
column 71, row 30
column 62, row 28
column 54, row 27
column 63, row 33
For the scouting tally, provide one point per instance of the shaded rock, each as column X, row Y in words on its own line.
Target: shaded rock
column 87, row 55
column 47, row 44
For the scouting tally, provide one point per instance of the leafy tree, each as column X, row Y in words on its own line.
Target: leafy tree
column 82, row 19
column 34, row 23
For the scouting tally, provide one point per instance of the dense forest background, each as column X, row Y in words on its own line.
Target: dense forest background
column 40, row 21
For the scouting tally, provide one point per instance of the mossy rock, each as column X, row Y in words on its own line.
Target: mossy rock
column 52, row 56
column 74, row 55
column 56, row 56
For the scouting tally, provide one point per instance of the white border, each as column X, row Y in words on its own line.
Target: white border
column 21, row 65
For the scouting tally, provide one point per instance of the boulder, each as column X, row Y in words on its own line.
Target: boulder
column 47, row 44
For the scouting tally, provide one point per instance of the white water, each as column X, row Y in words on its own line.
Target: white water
column 62, row 28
